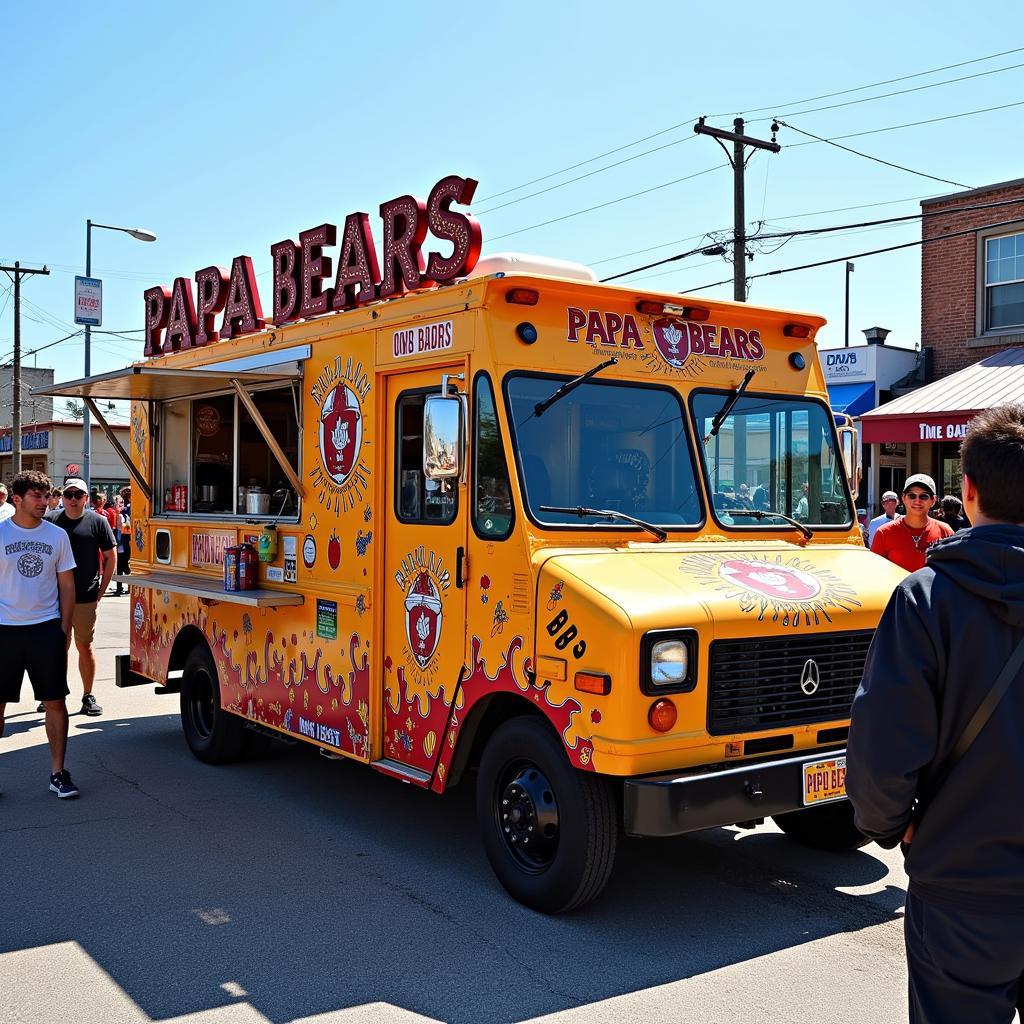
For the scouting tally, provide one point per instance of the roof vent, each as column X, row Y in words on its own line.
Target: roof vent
column 508, row 263
column 877, row 335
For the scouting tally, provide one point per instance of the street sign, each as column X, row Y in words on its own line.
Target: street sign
column 88, row 301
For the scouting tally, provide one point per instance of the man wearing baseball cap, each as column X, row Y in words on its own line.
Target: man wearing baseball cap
column 92, row 543
column 907, row 538
column 889, row 502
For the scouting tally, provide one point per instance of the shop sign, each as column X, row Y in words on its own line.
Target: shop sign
column 301, row 269
column 88, row 301
column 36, row 441
column 848, row 364
column 892, row 430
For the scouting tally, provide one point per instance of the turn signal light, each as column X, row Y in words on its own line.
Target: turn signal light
column 523, row 296
column 650, row 308
column 662, row 715
column 594, row 682
column 696, row 313
column 797, row 330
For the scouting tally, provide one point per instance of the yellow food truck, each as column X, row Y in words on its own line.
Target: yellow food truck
column 591, row 546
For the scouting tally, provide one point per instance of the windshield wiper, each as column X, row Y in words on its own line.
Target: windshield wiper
column 734, row 396
column 759, row 514
column 581, row 511
column 570, row 385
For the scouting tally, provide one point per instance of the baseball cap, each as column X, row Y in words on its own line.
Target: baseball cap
column 921, row 480
column 76, row 485
column 890, row 496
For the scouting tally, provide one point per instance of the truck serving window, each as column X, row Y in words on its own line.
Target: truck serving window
column 775, row 454
column 213, row 459
column 609, row 446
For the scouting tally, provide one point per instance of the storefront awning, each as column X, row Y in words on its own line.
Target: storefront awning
column 853, row 399
column 160, row 383
column 941, row 411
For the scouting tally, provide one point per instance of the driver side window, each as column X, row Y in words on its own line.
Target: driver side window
column 492, row 494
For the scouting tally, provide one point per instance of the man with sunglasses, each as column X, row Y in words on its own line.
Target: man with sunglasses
column 907, row 538
column 92, row 542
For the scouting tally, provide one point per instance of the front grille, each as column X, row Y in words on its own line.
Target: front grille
column 755, row 682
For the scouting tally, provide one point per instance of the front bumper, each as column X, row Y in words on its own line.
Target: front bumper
column 673, row 803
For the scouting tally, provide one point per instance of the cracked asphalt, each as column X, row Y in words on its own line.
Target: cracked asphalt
column 292, row 888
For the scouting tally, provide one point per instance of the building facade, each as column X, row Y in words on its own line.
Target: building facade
column 55, row 448
column 972, row 332
column 34, row 408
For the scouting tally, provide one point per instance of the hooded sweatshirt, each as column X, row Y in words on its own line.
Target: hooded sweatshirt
column 942, row 642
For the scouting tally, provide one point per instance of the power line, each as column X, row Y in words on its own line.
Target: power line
column 862, row 255
column 879, row 160
column 755, row 110
column 610, row 202
column 831, row 228
column 874, row 85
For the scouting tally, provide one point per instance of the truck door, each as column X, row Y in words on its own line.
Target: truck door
column 424, row 601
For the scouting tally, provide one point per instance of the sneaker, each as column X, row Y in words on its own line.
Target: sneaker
column 61, row 784
column 90, row 707
column 42, row 708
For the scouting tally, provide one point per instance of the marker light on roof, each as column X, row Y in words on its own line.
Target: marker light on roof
column 523, row 296
column 797, row 330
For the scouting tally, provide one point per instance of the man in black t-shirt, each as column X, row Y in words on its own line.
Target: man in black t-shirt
column 92, row 543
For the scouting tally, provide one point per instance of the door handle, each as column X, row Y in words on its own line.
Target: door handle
column 460, row 567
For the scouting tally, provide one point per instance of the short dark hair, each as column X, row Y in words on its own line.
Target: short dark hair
column 30, row 480
column 951, row 506
column 992, row 455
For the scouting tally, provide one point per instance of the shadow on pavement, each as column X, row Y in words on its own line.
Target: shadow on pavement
column 317, row 886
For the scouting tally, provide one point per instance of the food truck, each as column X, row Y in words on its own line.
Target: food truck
column 589, row 546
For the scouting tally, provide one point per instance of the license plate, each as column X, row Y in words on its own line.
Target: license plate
column 824, row 781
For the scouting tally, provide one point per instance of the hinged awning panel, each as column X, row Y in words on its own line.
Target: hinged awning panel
column 159, row 383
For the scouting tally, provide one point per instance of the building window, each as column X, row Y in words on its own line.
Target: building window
column 1004, row 282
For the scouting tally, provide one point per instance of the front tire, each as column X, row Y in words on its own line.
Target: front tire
column 549, row 831
column 213, row 734
column 829, row 827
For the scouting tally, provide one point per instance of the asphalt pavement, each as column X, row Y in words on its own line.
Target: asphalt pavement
column 290, row 888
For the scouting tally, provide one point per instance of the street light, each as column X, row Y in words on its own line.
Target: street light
column 143, row 236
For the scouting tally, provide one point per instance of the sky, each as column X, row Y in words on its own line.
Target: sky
column 226, row 128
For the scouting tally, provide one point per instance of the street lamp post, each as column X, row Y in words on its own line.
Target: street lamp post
column 143, row 236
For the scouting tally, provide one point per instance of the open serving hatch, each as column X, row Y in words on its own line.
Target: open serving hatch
column 144, row 383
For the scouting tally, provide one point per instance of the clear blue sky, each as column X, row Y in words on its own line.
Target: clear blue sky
column 226, row 127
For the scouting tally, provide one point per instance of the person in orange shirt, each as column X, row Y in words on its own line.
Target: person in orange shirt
column 907, row 538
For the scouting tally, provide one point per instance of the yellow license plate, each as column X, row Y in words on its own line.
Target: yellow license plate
column 824, row 780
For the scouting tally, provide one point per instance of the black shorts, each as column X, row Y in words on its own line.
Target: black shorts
column 41, row 650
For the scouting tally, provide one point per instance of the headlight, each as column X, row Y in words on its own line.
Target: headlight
column 670, row 663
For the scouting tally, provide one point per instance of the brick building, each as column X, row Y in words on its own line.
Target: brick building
column 972, row 334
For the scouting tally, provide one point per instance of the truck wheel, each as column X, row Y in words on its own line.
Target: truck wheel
column 549, row 830
column 829, row 827
column 213, row 734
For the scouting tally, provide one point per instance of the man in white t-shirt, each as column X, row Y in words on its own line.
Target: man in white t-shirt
column 37, row 600
column 6, row 509
column 889, row 502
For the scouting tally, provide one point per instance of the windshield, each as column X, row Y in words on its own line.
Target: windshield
column 607, row 446
column 775, row 455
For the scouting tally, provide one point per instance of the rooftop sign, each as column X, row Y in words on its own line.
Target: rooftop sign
column 177, row 320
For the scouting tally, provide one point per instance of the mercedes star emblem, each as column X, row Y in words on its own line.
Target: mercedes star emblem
column 810, row 679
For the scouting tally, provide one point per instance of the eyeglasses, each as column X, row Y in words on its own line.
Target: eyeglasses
column 921, row 496
column 74, row 495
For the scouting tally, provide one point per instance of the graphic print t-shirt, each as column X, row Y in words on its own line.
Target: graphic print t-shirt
column 29, row 563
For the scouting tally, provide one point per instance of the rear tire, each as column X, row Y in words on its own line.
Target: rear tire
column 213, row 734
column 829, row 827
column 527, row 792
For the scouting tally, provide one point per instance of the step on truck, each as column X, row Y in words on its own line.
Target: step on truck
column 590, row 548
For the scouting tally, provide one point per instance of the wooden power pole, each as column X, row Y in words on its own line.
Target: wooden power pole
column 738, row 161
column 19, row 272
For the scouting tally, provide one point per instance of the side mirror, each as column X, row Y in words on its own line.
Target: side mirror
column 443, row 431
column 849, row 448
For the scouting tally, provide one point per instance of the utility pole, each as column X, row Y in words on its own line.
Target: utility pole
column 846, row 334
column 19, row 272
column 738, row 161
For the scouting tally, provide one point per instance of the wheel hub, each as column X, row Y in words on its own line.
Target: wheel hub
column 528, row 816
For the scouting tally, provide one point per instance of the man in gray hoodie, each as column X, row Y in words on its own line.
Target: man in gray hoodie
column 942, row 642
